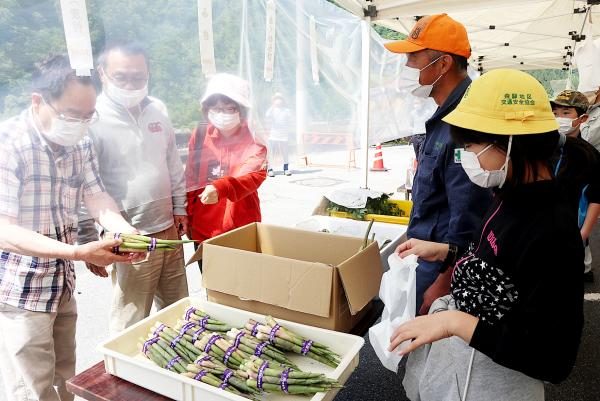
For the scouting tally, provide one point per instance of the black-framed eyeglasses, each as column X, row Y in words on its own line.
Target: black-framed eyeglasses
column 121, row 80
column 226, row 110
column 61, row 116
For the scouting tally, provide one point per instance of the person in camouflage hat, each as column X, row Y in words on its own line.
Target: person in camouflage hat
column 570, row 108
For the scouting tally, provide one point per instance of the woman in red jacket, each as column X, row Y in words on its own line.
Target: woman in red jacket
column 225, row 165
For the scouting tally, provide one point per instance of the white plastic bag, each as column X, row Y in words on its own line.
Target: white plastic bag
column 398, row 292
column 354, row 198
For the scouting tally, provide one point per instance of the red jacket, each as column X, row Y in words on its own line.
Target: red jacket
column 235, row 166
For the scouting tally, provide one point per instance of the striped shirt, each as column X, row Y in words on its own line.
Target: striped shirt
column 41, row 189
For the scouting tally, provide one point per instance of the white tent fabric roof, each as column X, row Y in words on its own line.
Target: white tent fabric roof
column 524, row 34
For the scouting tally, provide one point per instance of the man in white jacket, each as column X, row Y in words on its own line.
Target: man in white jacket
column 140, row 167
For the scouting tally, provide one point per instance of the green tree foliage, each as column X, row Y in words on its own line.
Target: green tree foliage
column 547, row 76
column 388, row 33
column 29, row 30
column 32, row 29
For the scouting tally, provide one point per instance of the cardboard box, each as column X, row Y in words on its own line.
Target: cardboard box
column 318, row 279
column 395, row 234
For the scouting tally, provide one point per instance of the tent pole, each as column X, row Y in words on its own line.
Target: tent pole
column 300, row 81
column 365, row 87
column 243, row 40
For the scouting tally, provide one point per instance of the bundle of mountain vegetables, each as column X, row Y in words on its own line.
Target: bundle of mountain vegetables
column 143, row 243
column 246, row 361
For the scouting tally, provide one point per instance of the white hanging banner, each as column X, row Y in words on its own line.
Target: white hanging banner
column 77, row 36
column 205, row 32
column 270, row 30
column 314, row 62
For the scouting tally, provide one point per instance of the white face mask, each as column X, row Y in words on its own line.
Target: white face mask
column 127, row 98
column 409, row 78
column 66, row 133
column 223, row 121
column 565, row 125
column 481, row 177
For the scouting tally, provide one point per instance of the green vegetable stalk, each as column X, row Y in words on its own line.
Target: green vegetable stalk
column 143, row 243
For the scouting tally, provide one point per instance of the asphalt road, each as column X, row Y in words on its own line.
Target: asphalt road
column 372, row 382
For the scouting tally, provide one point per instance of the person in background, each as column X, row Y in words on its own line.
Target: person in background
column 446, row 205
column 496, row 334
column 225, row 164
column 279, row 119
column 570, row 108
column 590, row 129
column 47, row 168
column 141, row 168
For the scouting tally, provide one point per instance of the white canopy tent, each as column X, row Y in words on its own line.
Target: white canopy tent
column 532, row 34
column 527, row 35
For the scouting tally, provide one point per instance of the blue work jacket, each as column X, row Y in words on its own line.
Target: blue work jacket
column 447, row 206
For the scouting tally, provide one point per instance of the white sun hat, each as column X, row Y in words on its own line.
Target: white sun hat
column 232, row 86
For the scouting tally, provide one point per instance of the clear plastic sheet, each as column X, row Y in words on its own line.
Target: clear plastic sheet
column 141, row 155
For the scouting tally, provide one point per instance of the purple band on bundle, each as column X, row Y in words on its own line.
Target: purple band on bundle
column 148, row 343
column 235, row 346
column 197, row 334
column 273, row 332
column 203, row 321
column 283, row 380
column 186, row 327
column 172, row 362
column 226, row 376
column 176, row 341
column 200, row 375
column 116, row 248
column 306, row 347
column 159, row 329
column 204, row 358
column 191, row 310
column 152, row 245
column 238, row 338
column 228, row 354
column 261, row 374
column 213, row 339
column 259, row 348
column 255, row 329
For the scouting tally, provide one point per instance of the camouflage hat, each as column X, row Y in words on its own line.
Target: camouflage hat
column 570, row 98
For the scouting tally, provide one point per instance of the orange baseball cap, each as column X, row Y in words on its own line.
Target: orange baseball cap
column 435, row 32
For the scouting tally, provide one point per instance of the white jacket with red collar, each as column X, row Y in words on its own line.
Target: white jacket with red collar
column 139, row 164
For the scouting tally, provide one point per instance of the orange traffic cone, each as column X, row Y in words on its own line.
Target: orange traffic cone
column 378, row 161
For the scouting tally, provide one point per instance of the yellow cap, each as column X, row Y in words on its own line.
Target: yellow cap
column 504, row 102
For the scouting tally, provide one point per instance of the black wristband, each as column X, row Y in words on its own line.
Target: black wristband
column 450, row 257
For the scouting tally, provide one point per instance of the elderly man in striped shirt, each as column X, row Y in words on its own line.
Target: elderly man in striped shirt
column 47, row 168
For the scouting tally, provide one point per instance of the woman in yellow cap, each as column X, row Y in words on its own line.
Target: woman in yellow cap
column 497, row 335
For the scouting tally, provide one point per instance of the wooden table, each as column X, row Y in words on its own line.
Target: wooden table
column 94, row 384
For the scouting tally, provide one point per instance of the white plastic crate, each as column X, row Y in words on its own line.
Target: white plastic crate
column 123, row 358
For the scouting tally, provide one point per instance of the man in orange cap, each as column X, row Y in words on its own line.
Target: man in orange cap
column 446, row 204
